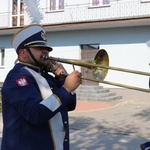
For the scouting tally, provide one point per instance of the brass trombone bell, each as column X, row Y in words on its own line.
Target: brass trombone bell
column 100, row 59
column 99, row 67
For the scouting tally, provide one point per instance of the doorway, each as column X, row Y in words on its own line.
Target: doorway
column 88, row 52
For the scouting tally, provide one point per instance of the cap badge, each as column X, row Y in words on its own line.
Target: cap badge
column 43, row 35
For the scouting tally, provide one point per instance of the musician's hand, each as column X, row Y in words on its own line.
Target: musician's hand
column 59, row 70
column 72, row 81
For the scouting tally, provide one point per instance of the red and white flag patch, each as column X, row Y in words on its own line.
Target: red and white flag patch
column 22, row 81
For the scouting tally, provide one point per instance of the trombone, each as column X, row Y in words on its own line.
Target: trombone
column 99, row 67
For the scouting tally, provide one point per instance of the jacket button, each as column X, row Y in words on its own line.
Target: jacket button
column 65, row 122
column 66, row 140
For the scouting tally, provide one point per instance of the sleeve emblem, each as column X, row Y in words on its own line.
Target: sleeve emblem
column 22, row 81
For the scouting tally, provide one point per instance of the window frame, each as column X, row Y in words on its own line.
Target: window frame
column 99, row 3
column 55, row 5
column 2, row 57
column 17, row 15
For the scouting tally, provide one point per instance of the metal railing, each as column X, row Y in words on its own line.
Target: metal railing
column 86, row 12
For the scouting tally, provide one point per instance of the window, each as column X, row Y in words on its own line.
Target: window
column 61, row 4
column 105, row 2
column 56, row 4
column 53, row 5
column 2, row 55
column 100, row 2
column 95, row 2
column 89, row 46
column 17, row 13
column 21, row 13
column 14, row 13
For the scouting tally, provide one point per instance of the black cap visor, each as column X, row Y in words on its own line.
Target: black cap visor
column 40, row 44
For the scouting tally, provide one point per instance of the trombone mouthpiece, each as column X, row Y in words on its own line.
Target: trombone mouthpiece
column 45, row 57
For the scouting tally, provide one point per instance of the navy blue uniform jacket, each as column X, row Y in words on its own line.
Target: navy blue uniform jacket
column 25, row 119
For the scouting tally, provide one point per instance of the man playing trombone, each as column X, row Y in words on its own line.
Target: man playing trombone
column 36, row 104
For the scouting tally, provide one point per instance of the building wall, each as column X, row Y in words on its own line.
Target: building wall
column 126, row 48
column 78, row 11
column 4, row 6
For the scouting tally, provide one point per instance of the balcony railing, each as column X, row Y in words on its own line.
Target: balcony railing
column 82, row 13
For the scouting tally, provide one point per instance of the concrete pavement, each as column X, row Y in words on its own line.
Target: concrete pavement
column 121, row 125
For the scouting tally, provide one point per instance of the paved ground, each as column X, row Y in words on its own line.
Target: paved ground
column 115, row 125
column 119, row 125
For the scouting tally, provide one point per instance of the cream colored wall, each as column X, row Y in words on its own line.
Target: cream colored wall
column 128, row 56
